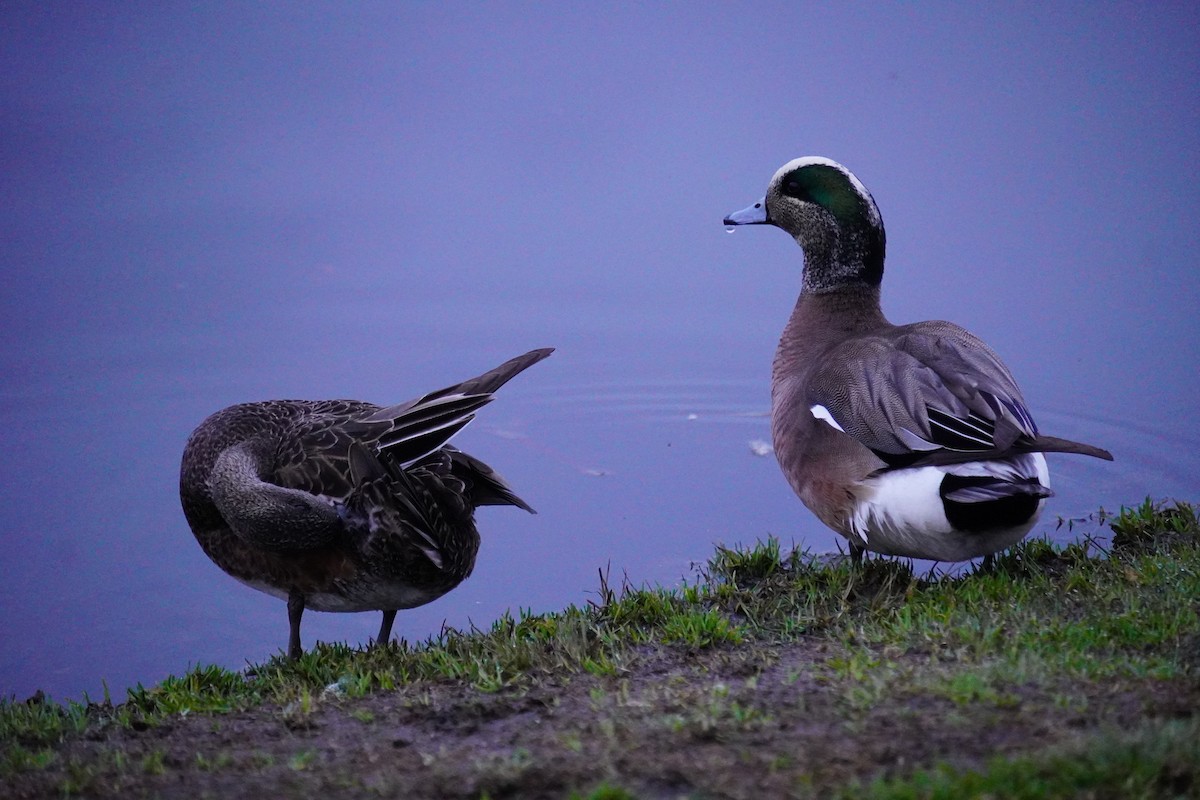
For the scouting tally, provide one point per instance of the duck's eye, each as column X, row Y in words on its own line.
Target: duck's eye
column 800, row 189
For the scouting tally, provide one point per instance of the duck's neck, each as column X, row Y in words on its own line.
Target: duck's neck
column 265, row 514
column 820, row 319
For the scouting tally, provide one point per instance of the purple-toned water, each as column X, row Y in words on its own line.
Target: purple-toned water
column 201, row 208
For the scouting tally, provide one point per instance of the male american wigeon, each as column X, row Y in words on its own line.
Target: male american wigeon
column 341, row 505
column 909, row 440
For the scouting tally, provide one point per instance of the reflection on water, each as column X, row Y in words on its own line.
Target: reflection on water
column 640, row 475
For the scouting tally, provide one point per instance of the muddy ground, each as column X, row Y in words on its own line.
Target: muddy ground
column 745, row 721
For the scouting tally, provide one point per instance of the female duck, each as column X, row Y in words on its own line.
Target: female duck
column 341, row 505
column 908, row 440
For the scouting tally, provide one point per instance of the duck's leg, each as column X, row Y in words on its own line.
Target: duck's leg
column 385, row 627
column 295, row 612
column 856, row 554
column 989, row 563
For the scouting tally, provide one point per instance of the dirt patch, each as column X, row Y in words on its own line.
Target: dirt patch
column 758, row 720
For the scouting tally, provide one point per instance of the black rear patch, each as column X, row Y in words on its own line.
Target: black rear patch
column 1014, row 504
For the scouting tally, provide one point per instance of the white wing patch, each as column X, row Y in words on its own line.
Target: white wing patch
column 821, row 412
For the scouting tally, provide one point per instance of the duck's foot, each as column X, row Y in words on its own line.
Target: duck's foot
column 295, row 612
column 385, row 627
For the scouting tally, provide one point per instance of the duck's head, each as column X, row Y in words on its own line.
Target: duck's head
column 832, row 217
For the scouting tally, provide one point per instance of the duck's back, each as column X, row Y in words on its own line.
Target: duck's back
column 275, row 428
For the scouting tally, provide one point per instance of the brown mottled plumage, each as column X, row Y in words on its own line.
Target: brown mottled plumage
column 342, row 505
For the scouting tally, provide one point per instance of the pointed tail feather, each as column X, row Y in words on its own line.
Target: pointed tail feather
column 1042, row 444
column 1052, row 444
column 493, row 379
column 419, row 427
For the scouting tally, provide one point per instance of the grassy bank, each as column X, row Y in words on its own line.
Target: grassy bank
column 1061, row 672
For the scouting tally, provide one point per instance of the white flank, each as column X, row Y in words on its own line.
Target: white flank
column 901, row 512
column 898, row 506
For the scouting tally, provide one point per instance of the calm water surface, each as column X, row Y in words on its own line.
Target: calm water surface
column 200, row 207
column 635, row 464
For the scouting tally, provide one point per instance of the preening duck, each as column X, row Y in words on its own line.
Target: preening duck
column 908, row 440
column 342, row 505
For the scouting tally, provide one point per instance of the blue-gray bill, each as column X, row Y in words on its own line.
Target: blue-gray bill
column 750, row 215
